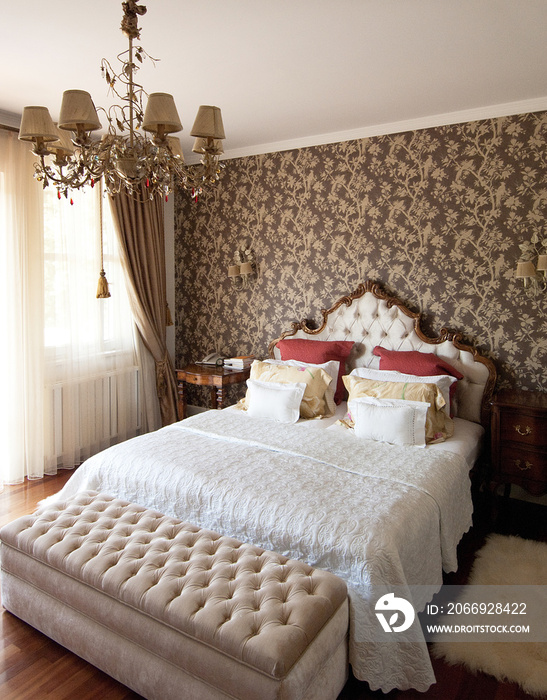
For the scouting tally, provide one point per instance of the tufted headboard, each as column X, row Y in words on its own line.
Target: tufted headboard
column 369, row 316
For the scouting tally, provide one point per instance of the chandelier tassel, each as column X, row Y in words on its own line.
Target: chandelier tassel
column 102, row 286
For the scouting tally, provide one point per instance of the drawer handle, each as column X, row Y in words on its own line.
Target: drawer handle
column 526, row 431
column 523, row 467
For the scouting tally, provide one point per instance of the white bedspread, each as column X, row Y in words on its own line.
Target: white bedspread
column 369, row 512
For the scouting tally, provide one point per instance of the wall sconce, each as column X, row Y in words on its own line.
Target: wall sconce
column 243, row 269
column 533, row 275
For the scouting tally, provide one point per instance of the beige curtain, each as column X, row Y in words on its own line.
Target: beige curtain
column 140, row 226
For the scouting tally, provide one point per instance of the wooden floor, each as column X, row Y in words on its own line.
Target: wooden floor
column 32, row 667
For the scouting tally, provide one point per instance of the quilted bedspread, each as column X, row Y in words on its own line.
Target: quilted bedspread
column 369, row 512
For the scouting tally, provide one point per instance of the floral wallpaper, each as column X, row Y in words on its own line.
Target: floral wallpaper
column 435, row 215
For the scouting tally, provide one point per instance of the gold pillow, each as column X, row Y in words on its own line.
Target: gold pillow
column 316, row 380
column 438, row 426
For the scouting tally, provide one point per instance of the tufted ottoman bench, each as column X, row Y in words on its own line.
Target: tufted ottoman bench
column 171, row 610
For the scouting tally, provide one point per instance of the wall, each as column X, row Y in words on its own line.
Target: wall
column 436, row 215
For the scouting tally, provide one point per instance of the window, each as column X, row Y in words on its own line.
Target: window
column 72, row 263
column 92, row 382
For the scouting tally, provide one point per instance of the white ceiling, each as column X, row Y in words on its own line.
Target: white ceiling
column 290, row 73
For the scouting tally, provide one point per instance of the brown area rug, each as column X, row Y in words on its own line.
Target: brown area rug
column 505, row 561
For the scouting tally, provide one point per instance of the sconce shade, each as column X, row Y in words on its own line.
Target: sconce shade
column 36, row 123
column 525, row 269
column 246, row 268
column 214, row 149
column 233, row 271
column 161, row 114
column 63, row 145
column 208, row 123
column 78, row 111
column 176, row 148
column 542, row 263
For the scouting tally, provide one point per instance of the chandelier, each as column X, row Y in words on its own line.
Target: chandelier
column 138, row 148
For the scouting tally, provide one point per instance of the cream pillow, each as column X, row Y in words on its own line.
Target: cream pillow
column 389, row 420
column 443, row 381
column 275, row 401
column 331, row 368
column 313, row 403
column 438, row 427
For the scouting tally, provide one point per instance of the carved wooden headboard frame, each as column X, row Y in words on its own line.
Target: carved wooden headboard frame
column 370, row 316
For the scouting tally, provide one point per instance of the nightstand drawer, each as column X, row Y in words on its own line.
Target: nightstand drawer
column 518, row 461
column 194, row 378
column 516, row 426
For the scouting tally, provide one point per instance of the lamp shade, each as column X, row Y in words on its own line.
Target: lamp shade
column 201, row 145
column 542, row 263
column 208, row 123
column 525, row 269
column 63, row 145
column 233, row 270
column 161, row 114
column 246, row 268
column 176, row 148
column 36, row 124
column 78, row 112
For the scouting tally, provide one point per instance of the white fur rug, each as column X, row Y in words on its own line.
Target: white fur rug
column 505, row 561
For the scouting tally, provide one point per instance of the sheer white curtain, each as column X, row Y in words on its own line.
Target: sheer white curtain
column 21, row 314
column 92, row 384
column 68, row 365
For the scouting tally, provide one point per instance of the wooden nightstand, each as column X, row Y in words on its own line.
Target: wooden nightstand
column 206, row 375
column 519, row 440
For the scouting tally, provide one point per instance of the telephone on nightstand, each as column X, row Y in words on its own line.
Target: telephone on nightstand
column 213, row 358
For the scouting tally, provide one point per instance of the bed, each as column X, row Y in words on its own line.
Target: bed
column 373, row 512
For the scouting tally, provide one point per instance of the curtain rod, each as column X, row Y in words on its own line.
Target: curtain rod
column 9, row 128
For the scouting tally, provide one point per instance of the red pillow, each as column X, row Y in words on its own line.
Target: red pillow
column 316, row 352
column 421, row 364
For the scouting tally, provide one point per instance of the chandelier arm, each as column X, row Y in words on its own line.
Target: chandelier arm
column 75, row 178
column 133, row 96
column 111, row 76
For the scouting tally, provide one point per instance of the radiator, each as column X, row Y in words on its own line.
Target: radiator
column 88, row 415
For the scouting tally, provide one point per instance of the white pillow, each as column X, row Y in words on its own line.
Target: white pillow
column 389, row 420
column 443, row 381
column 331, row 368
column 275, row 400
